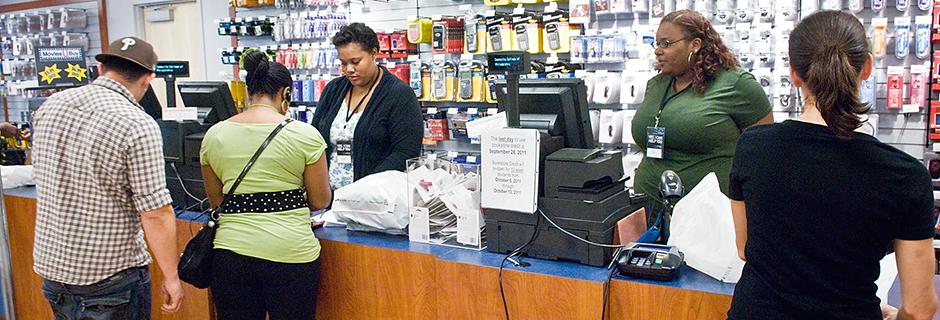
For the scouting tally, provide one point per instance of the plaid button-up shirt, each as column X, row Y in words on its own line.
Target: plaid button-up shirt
column 98, row 163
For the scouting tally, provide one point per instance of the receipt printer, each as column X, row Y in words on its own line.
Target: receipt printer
column 651, row 261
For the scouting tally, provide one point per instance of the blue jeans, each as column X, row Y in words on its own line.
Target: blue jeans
column 123, row 296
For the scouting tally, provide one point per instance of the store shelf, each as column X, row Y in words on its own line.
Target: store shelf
column 613, row 106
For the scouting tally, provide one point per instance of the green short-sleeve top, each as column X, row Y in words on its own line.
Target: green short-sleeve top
column 284, row 236
column 701, row 129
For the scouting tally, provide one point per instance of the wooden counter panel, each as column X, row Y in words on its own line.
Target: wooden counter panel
column 637, row 301
column 472, row 292
column 27, row 285
column 196, row 304
column 363, row 282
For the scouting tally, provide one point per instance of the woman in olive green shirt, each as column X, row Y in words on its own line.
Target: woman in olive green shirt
column 698, row 105
column 266, row 255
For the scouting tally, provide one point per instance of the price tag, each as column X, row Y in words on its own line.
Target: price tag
column 910, row 108
column 432, row 110
column 452, row 111
column 451, row 154
column 473, row 111
column 466, row 56
column 465, row 7
column 390, row 64
column 414, row 58
column 471, row 159
column 432, row 156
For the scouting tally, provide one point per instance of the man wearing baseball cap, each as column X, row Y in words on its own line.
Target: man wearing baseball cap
column 98, row 161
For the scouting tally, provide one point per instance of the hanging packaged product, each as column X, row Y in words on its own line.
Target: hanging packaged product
column 499, row 31
column 556, row 32
column 309, row 89
column 856, row 6
column 879, row 33
column 685, row 5
column 642, row 6
column 579, row 49
column 705, row 7
column 601, row 7
column 488, row 92
column 902, row 5
column 784, row 93
column 919, row 77
column 447, row 35
column 320, row 84
column 866, row 92
column 475, row 31
column 385, row 45
column 443, row 81
column 787, row 9
column 765, row 78
column 765, row 13
column 724, row 12
column 528, row 32
column 470, row 81
column 614, row 48
column 496, row 2
column 621, row 6
column 922, row 36
column 924, row 5
column 580, row 11
column 297, row 87
column 589, row 82
column 877, row 5
column 415, row 78
column 832, row 4
column 606, row 87
column 633, row 87
column 595, row 49
column 808, row 7
column 419, row 30
column 657, row 9
column 745, row 11
column 902, row 33
column 400, row 46
column 895, row 87
column 611, row 126
column 424, row 76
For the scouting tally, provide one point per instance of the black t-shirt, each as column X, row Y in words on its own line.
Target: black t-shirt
column 821, row 213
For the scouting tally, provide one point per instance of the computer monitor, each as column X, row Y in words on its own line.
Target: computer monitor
column 556, row 106
column 212, row 100
column 151, row 104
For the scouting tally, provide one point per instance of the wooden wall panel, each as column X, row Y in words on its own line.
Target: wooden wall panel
column 27, row 285
column 364, row 282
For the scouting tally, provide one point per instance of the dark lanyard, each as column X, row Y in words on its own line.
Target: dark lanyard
column 350, row 111
column 666, row 98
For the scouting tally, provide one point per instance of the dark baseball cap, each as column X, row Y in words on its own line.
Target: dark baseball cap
column 132, row 49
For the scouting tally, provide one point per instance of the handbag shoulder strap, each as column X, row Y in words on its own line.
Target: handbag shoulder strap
column 251, row 162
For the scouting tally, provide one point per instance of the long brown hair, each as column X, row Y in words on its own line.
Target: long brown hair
column 828, row 50
column 713, row 57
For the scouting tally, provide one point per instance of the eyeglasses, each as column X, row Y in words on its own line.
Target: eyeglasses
column 667, row 43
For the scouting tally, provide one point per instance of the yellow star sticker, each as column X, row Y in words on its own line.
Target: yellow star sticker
column 50, row 73
column 76, row 71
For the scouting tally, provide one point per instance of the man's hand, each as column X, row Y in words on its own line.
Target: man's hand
column 172, row 294
column 888, row 312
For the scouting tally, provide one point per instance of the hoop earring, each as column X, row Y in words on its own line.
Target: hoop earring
column 690, row 56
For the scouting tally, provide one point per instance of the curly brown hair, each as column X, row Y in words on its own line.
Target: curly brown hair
column 713, row 57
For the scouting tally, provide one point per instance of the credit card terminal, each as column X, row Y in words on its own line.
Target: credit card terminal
column 651, row 261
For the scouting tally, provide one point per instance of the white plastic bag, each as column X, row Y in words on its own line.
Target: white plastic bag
column 17, row 176
column 378, row 202
column 703, row 228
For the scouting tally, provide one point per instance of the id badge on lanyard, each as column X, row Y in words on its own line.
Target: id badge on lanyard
column 344, row 151
column 656, row 135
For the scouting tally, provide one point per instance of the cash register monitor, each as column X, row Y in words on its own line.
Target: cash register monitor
column 212, row 100
column 557, row 107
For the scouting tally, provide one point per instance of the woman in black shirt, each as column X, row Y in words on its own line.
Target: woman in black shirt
column 817, row 205
column 370, row 119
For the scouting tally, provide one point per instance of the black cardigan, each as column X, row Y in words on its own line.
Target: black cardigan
column 389, row 130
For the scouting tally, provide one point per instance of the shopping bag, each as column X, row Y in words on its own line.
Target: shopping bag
column 703, row 228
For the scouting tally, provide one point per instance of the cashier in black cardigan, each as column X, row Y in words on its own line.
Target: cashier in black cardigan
column 370, row 118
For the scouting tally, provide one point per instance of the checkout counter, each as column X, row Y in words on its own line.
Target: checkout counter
column 375, row 276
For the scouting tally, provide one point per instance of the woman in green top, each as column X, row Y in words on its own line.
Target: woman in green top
column 697, row 106
column 265, row 260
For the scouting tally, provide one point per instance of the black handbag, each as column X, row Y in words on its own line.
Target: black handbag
column 195, row 266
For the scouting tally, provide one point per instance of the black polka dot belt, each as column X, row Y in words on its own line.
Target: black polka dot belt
column 264, row 202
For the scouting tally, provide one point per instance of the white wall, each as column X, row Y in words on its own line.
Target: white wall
column 123, row 21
